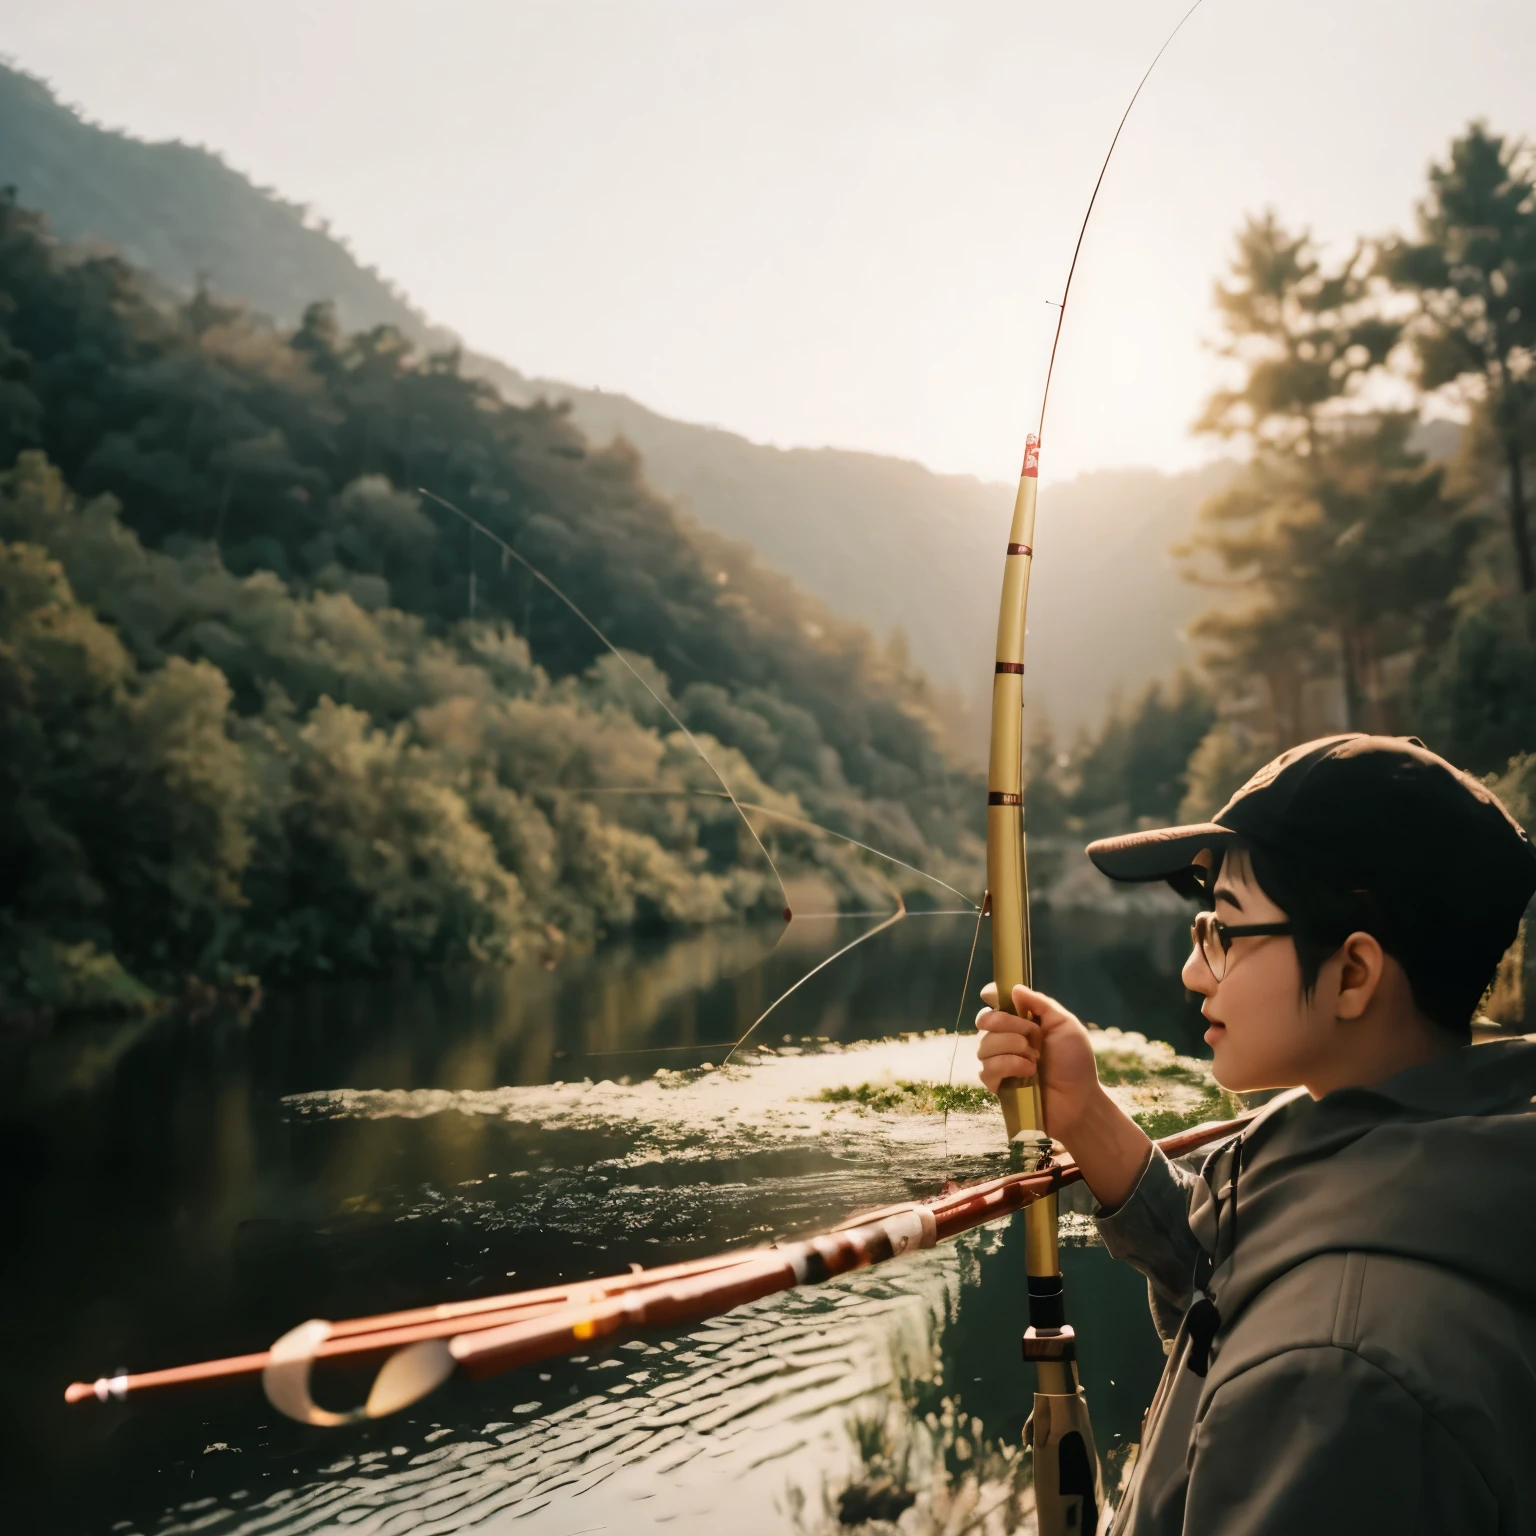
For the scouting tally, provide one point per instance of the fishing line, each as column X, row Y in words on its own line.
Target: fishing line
column 802, row 917
column 1066, row 292
column 965, row 987
column 729, row 793
column 970, row 906
column 657, row 1050
column 653, row 1050
column 863, row 938
column 749, row 805
column 539, row 576
column 768, row 810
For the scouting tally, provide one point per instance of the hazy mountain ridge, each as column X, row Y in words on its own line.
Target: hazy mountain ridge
column 180, row 213
column 884, row 540
column 896, row 545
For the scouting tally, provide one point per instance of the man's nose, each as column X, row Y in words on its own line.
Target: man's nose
column 1196, row 974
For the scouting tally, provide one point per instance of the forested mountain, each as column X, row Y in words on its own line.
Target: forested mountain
column 897, row 546
column 262, row 706
column 180, row 214
column 881, row 540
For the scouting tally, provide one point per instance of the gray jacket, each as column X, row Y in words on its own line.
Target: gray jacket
column 1372, row 1260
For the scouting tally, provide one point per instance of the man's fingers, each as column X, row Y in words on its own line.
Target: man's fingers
column 1000, row 1068
column 1040, row 1005
column 1029, row 1004
column 1007, row 1045
column 1007, row 1023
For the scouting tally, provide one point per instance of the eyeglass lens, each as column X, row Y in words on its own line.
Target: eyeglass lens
column 1208, row 936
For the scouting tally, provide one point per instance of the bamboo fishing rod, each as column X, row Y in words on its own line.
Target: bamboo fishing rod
column 1068, row 1480
column 422, row 1347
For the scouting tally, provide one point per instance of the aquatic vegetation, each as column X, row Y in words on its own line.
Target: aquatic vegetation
column 904, row 1097
column 1165, row 1122
column 880, row 1102
column 1117, row 1065
column 1163, row 1092
column 883, row 1098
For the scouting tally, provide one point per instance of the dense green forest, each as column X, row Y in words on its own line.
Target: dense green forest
column 1357, row 582
column 266, row 710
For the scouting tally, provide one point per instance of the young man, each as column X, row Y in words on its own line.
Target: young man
column 1348, row 1289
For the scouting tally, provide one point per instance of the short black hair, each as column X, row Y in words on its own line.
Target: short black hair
column 1375, row 833
column 1446, row 973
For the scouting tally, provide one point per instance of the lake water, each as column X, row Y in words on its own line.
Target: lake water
column 181, row 1190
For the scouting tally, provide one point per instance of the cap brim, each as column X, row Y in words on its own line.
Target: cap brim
column 1162, row 853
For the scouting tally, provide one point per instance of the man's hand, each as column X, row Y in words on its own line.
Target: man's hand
column 1040, row 1034
column 1043, row 1037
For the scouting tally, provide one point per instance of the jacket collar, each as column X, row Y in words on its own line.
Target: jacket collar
column 1490, row 1079
column 1475, row 1080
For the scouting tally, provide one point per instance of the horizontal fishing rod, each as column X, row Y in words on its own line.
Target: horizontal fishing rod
column 424, row 1346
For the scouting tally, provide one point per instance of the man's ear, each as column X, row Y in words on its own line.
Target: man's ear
column 1362, row 962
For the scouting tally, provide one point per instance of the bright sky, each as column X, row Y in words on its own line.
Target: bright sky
column 817, row 221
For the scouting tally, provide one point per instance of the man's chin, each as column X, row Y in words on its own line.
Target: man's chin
column 1227, row 1072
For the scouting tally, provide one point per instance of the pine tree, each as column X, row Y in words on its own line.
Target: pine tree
column 1473, row 271
column 1338, row 542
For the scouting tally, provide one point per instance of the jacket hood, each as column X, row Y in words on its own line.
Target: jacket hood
column 1434, row 1164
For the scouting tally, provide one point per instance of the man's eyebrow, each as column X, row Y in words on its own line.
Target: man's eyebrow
column 1226, row 893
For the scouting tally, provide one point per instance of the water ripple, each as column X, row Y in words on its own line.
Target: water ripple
column 723, row 1418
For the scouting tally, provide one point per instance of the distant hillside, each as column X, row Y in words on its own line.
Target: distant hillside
column 180, row 213
column 895, row 545
column 882, row 540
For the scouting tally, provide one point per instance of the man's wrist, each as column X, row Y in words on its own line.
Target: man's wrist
column 1108, row 1146
column 1087, row 1126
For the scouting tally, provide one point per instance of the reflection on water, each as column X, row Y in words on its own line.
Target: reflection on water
column 178, row 1191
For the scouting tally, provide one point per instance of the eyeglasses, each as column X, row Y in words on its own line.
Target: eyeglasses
column 1213, row 938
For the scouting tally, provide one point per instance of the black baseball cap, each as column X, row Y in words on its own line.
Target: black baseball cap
column 1383, row 814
